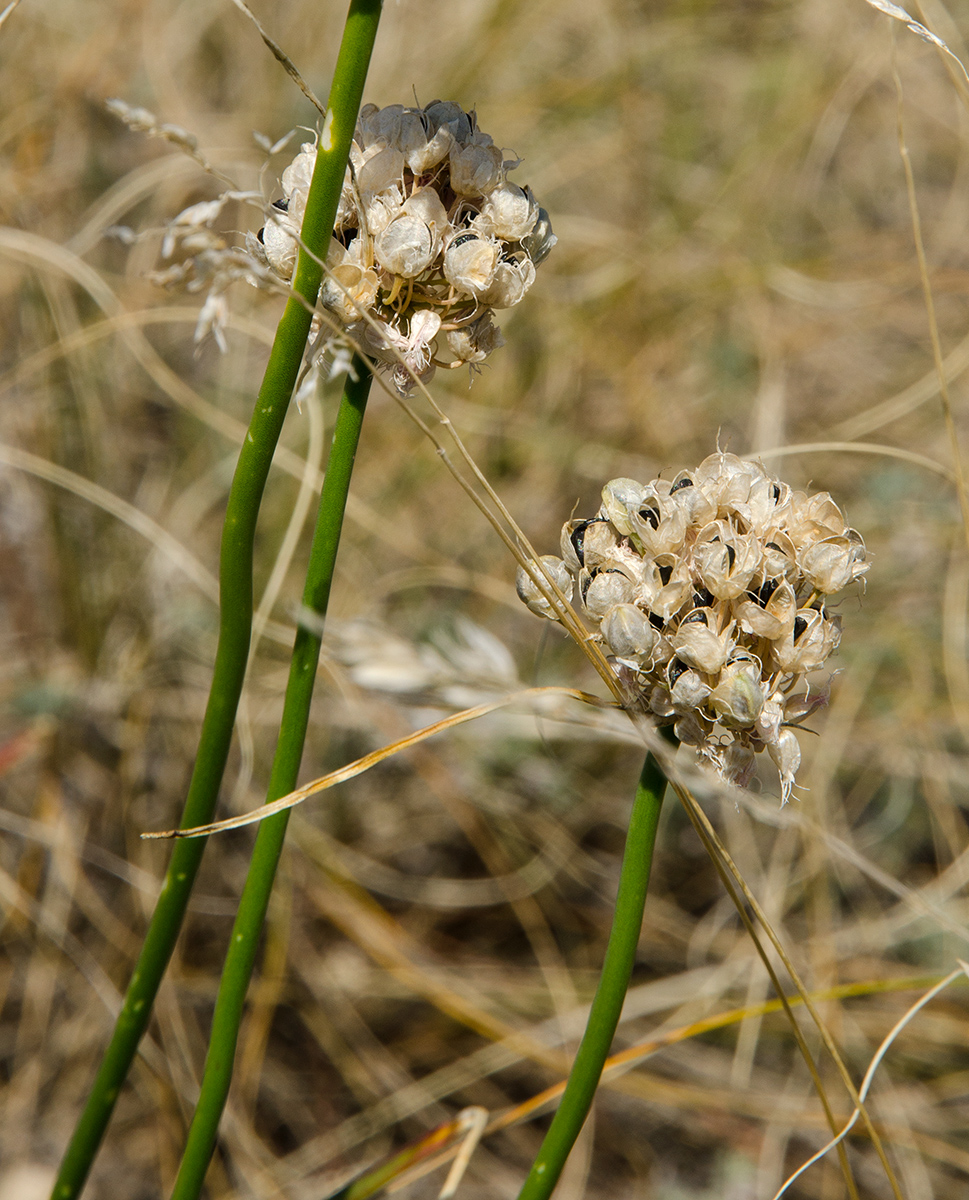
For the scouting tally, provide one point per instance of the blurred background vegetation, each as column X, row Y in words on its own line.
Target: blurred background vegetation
column 736, row 262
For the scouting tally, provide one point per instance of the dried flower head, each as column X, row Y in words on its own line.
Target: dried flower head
column 709, row 594
column 430, row 238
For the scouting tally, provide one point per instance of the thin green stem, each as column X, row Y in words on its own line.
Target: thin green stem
column 235, row 575
column 607, row 1005
column 243, row 944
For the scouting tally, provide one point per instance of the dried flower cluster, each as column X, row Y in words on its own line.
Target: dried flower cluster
column 430, row 238
column 709, row 596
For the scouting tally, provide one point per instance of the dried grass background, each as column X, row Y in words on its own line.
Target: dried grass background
column 736, row 260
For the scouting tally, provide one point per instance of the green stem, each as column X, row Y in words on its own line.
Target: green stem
column 243, row 944
column 235, row 575
column 617, row 967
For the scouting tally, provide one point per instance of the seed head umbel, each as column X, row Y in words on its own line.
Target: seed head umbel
column 709, row 595
column 430, row 238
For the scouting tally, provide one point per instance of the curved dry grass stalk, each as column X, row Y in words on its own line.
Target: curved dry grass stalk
column 870, row 1075
column 351, row 770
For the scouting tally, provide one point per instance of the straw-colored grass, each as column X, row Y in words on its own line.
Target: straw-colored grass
column 736, row 261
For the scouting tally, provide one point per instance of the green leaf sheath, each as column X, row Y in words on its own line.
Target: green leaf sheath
column 235, row 574
column 244, row 942
column 617, row 968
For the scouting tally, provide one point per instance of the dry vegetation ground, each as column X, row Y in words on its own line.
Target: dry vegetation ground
column 736, row 260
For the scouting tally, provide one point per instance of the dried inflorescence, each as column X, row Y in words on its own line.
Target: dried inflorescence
column 430, row 238
column 709, row 595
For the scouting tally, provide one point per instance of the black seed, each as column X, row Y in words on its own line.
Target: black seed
column 682, row 484
column 774, row 546
column 664, row 574
column 765, row 593
column 799, row 627
column 695, row 618
column 587, row 582
column 260, row 237
column 776, row 492
column 702, row 598
column 462, row 238
column 282, row 205
column 577, row 538
column 657, row 622
column 676, row 669
column 731, row 557
column 651, row 516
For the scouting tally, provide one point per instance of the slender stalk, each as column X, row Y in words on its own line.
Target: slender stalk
column 235, row 577
column 607, row 1005
column 241, row 955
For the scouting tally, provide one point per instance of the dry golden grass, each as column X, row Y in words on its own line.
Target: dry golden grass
column 736, row 260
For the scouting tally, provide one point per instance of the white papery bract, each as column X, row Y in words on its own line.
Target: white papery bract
column 709, row 594
column 427, row 224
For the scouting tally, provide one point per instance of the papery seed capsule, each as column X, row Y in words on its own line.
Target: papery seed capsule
column 349, row 291
column 691, row 730
column 509, row 212
column 813, row 638
column 786, row 755
column 700, row 647
column 572, row 543
column 658, row 529
column 829, row 566
column 298, row 175
column 773, row 619
column 475, row 170
column 737, row 764
column 540, row 241
column 510, row 283
column 473, row 343
column 381, row 171
column 676, row 590
column 406, row 247
column 620, row 499
column 381, row 125
column 446, row 113
column 739, row 696
column 610, row 587
column 628, row 633
column 280, row 247
column 470, row 263
column 727, row 561
column 688, row 692
column 426, row 204
column 532, row 594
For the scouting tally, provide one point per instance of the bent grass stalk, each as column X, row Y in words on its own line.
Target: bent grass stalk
column 235, row 579
column 613, row 983
column 243, row 944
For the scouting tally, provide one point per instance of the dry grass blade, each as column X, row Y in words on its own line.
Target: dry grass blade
column 962, row 489
column 870, row 1074
column 282, row 58
column 351, row 770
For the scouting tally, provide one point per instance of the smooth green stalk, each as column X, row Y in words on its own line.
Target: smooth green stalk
column 235, row 576
column 613, row 983
column 241, row 955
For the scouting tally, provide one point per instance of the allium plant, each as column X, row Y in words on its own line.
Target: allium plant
column 430, row 238
column 709, row 593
